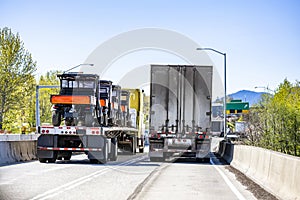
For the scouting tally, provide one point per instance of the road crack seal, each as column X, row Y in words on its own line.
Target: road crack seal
column 148, row 181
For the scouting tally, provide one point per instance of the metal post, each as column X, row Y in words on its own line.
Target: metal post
column 225, row 95
column 225, row 85
column 37, row 106
column 194, row 101
column 183, row 101
column 167, row 101
column 37, row 103
column 177, row 99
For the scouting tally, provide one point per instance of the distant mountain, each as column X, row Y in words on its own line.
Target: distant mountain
column 247, row 96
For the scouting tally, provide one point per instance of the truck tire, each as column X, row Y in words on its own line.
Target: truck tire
column 43, row 160
column 94, row 161
column 68, row 156
column 206, row 160
column 141, row 149
column 53, row 159
column 203, row 160
column 56, row 118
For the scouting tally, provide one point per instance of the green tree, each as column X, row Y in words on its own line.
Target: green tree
column 287, row 103
column 276, row 120
column 16, row 79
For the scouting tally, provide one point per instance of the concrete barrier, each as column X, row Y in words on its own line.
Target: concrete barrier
column 228, row 150
column 215, row 144
column 18, row 137
column 16, row 148
column 5, row 155
column 276, row 172
column 222, row 148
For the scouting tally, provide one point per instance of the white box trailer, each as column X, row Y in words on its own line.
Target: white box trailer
column 180, row 111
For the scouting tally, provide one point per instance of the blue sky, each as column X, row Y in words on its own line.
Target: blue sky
column 261, row 38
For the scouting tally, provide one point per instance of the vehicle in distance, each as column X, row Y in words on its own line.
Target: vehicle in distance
column 180, row 112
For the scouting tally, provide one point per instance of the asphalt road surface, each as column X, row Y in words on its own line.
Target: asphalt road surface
column 130, row 177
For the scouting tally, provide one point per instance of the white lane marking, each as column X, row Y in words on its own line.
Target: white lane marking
column 10, row 181
column 81, row 180
column 228, row 182
column 37, row 171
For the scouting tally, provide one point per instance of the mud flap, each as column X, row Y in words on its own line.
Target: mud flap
column 203, row 148
column 156, row 149
column 97, row 142
column 113, row 155
column 46, row 141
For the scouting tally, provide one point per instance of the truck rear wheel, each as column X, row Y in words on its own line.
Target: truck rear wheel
column 43, row 160
column 141, row 149
column 203, row 160
column 51, row 160
column 94, row 161
column 206, row 160
column 68, row 156
column 56, row 118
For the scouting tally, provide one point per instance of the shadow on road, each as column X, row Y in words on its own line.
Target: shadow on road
column 214, row 159
column 125, row 157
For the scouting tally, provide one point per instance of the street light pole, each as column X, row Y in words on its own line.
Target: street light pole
column 78, row 66
column 225, row 84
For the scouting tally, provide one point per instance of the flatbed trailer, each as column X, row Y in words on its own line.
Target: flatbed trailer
column 96, row 119
column 99, row 143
